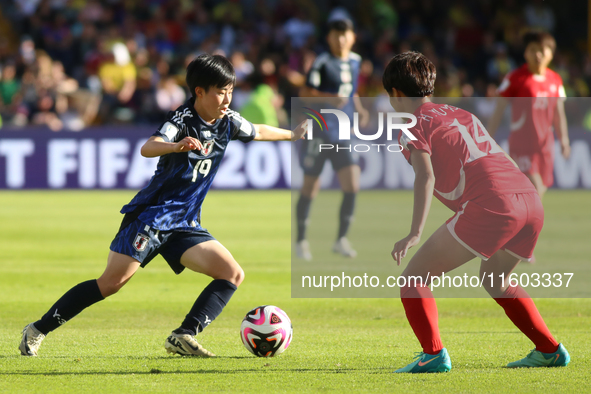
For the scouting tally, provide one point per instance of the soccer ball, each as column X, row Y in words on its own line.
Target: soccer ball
column 266, row 331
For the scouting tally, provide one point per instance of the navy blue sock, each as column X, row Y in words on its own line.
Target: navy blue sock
column 208, row 306
column 72, row 303
column 302, row 212
column 346, row 215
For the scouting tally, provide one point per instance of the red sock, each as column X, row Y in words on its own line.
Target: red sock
column 522, row 311
column 421, row 312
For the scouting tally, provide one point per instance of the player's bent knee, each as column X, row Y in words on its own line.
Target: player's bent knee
column 233, row 274
column 237, row 276
column 494, row 289
column 495, row 292
column 108, row 287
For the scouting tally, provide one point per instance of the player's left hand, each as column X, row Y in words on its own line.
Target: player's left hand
column 363, row 118
column 565, row 149
column 299, row 131
column 402, row 246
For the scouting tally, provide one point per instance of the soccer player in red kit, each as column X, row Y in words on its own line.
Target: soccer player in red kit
column 498, row 215
column 531, row 142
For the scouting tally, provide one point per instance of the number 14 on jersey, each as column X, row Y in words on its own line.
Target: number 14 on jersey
column 480, row 135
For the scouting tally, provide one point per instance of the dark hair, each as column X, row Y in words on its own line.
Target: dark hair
column 207, row 70
column 411, row 73
column 340, row 25
column 539, row 37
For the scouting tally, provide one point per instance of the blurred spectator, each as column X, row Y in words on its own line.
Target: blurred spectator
column 500, row 64
column 118, row 79
column 169, row 95
column 263, row 103
column 199, row 27
column 365, row 78
column 61, row 58
column 9, row 88
column 229, row 11
column 384, row 15
column 27, row 51
column 540, row 15
column 44, row 111
column 299, row 29
column 242, row 67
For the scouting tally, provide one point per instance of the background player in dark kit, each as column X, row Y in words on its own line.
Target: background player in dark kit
column 333, row 75
column 164, row 217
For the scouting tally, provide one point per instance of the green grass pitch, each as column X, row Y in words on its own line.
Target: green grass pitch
column 54, row 240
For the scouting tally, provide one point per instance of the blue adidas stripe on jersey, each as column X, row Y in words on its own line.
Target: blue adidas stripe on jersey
column 173, row 198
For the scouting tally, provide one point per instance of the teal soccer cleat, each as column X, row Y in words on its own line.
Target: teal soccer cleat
column 535, row 358
column 426, row 363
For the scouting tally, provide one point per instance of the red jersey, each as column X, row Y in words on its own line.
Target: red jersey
column 532, row 118
column 467, row 162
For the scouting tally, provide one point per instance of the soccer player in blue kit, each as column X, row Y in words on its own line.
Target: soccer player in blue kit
column 333, row 76
column 164, row 217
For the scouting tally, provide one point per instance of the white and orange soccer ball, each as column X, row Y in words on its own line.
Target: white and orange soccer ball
column 266, row 331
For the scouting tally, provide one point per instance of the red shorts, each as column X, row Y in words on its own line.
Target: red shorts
column 510, row 222
column 536, row 163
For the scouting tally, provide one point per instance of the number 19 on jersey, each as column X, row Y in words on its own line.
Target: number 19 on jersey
column 202, row 167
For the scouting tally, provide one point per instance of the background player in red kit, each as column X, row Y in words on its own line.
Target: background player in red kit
column 498, row 215
column 531, row 142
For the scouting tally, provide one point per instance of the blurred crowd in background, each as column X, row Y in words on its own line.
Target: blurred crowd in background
column 69, row 64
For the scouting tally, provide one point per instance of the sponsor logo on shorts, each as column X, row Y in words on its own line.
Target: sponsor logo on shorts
column 141, row 242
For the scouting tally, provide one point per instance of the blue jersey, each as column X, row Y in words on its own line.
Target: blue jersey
column 331, row 74
column 173, row 198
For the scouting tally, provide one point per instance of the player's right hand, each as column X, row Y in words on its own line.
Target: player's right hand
column 401, row 247
column 300, row 131
column 187, row 144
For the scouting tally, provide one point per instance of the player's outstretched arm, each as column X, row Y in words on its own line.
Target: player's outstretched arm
column 269, row 133
column 156, row 146
column 495, row 120
column 561, row 128
column 423, row 194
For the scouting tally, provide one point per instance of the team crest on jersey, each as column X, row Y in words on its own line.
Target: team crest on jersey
column 207, row 148
column 141, row 242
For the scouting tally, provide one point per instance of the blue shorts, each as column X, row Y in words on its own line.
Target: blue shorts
column 138, row 240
